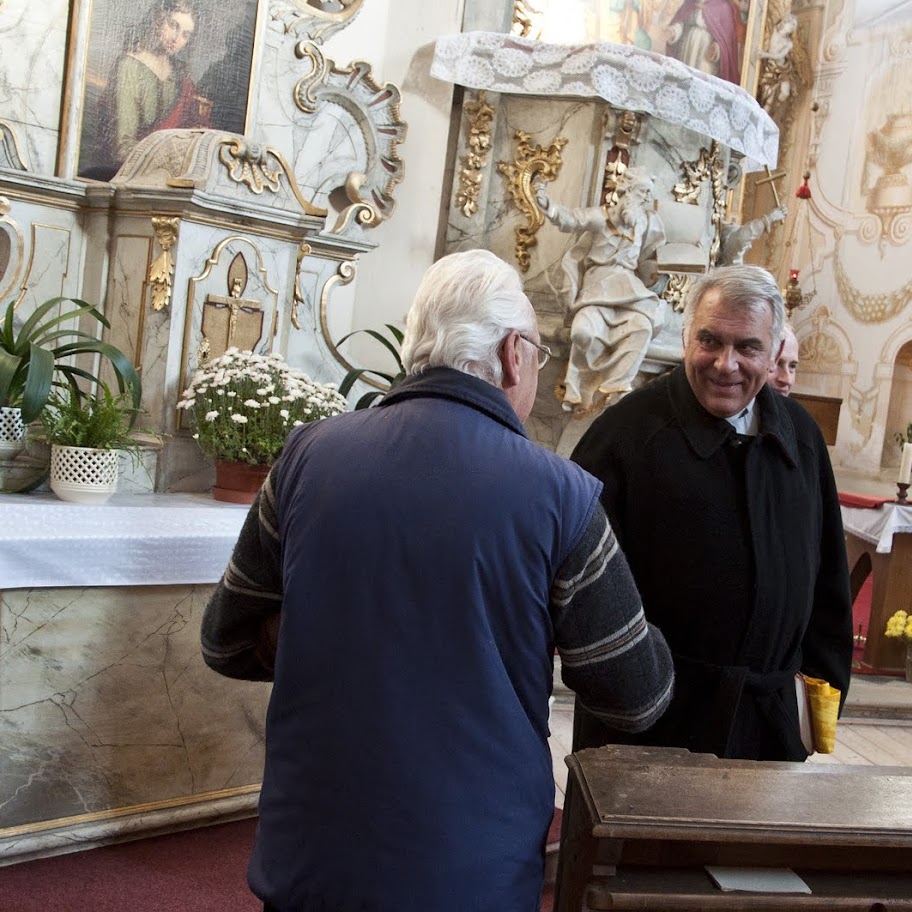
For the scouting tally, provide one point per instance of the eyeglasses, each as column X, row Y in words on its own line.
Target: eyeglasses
column 544, row 353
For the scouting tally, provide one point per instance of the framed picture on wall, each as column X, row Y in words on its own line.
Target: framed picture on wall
column 159, row 65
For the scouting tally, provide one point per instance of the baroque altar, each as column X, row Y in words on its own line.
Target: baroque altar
column 570, row 120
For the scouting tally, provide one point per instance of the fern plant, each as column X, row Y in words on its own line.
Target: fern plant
column 394, row 346
column 99, row 420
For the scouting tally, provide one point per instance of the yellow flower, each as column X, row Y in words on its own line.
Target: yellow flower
column 900, row 625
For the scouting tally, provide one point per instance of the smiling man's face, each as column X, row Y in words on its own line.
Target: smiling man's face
column 728, row 354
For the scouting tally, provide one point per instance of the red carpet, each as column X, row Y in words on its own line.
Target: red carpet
column 201, row 870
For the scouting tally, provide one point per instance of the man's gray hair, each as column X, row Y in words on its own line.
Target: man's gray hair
column 743, row 287
column 465, row 306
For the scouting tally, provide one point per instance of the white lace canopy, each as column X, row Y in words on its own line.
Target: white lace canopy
column 624, row 76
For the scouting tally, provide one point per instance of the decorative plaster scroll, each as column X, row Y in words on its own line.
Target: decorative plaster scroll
column 192, row 159
column 862, row 408
column 9, row 150
column 301, row 17
column 248, row 163
column 478, row 139
column 344, row 275
column 298, row 298
column 12, row 245
column 869, row 308
column 624, row 76
column 161, row 271
column 375, row 111
column 820, row 354
column 518, row 174
column 708, row 167
column 360, row 210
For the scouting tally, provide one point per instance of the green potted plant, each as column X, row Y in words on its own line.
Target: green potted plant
column 40, row 356
column 242, row 407
column 394, row 347
column 86, row 434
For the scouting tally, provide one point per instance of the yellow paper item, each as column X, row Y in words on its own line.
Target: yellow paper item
column 824, row 704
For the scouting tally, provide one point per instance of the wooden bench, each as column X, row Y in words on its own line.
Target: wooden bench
column 641, row 823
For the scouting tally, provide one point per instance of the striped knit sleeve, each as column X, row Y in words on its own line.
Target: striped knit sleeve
column 240, row 623
column 618, row 663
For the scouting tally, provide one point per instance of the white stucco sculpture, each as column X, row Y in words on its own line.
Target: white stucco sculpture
column 613, row 314
column 737, row 239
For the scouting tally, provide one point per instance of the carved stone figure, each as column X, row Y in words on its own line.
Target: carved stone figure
column 613, row 314
column 737, row 239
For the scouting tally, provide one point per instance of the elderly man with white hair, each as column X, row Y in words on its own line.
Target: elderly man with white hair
column 420, row 561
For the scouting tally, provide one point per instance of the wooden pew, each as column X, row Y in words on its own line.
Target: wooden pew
column 640, row 823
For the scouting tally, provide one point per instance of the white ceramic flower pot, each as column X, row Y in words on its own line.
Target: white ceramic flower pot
column 83, row 475
column 11, row 432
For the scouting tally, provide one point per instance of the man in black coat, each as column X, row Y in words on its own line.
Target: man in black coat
column 722, row 496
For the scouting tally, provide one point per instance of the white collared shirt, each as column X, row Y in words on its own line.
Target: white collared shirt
column 746, row 421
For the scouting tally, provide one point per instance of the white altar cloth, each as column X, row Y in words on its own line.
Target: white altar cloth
column 132, row 540
column 879, row 525
column 623, row 75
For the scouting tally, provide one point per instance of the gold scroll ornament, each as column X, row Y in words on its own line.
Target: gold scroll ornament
column 161, row 271
column 530, row 160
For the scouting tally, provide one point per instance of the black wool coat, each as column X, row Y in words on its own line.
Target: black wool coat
column 737, row 547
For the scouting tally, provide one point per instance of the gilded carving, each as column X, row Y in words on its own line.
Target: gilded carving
column 676, row 290
column 248, row 163
column 708, row 167
column 530, row 160
column 161, row 271
column 478, row 139
column 877, row 307
column 318, row 19
column 524, row 15
column 624, row 128
column 344, row 275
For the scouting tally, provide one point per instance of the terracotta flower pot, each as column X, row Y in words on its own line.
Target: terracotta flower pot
column 238, row 482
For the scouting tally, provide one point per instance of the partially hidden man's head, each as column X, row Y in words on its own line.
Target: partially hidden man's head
column 732, row 334
column 782, row 374
column 470, row 312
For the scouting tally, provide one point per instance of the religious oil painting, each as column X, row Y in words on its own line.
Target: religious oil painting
column 161, row 65
column 718, row 37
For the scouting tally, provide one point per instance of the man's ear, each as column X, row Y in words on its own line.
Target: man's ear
column 511, row 360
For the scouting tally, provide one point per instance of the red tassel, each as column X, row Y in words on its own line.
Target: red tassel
column 804, row 191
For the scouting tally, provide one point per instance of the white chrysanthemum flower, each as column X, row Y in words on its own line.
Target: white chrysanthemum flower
column 297, row 424
column 231, row 394
column 211, row 416
column 240, row 419
column 251, row 403
column 274, row 400
column 284, row 413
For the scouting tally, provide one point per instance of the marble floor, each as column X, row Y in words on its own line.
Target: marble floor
column 875, row 729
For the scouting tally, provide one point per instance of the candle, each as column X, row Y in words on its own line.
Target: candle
column 905, row 467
